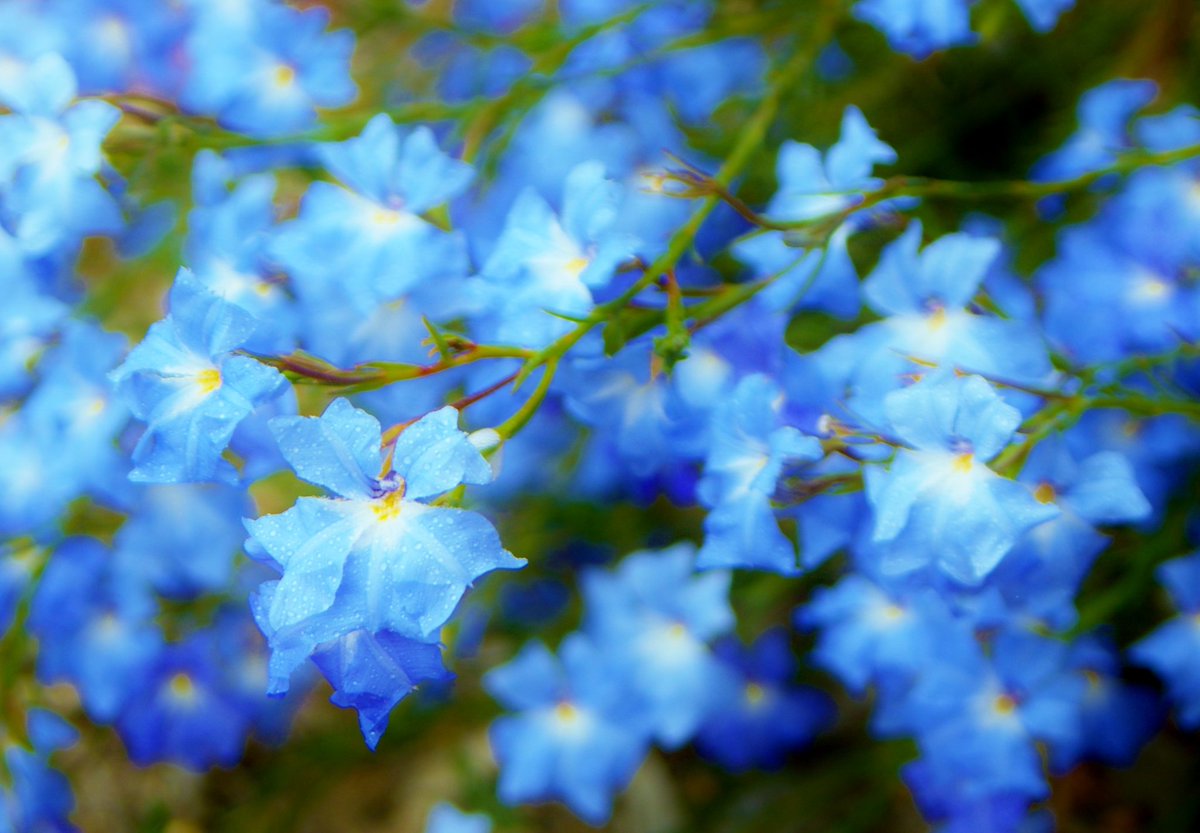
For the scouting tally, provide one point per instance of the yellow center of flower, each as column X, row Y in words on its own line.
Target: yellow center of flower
column 576, row 266
column 964, row 462
column 283, row 76
column 937, row 318
column 208, row 381
column 388, row 507
column 1044, row 493
column 182, row 687
column 565, row 712
column 755, row 693
column 1004, row 704
column 893, row 612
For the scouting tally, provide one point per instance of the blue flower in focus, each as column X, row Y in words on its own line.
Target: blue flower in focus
column 376, row 555
column 575, row 738
column 749, row 451
column 368, row 233
column 938, row 502
column 654, row 617
column 812, row 187
column 372, row 672
column 190, row 388
column 262, row 69
column 762, row 715
column 1173, row 650
column 546, row 266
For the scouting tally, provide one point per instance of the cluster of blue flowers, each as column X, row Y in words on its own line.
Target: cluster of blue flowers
column 379, row 322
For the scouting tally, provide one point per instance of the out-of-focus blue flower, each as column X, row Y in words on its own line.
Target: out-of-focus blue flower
column 230, row 229
column 655, row 618
column 545, row 266
column 75, row 403
column 762, row 715
column 95, row 627
column 1104, row 115
column 377, row 555
column 183, row 710
column 445, row 818
column 372, row 672
column 919, row 27
column 123, row 45
column 264, row 68
column 868, row 634
column 749, row 451
column 1118, row 718
column 34, row 796
column 369, row 234
column 185, row 381
column 576, row 737
column 811, row 187
column 938, row 502
column 1043, row 14
column 50, row 155
column 1173, row 650
column 182, row 539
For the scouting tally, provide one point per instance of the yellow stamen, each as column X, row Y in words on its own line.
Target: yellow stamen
column 565, row 712
column 1004, row 704
column 576, row 266
column 182, row 687
column 964, row 462
column 208, row 381
column 893, row 612
column 388, row 507
column 755, row 693
column 283, row 76
column 1044, row 493
column 937, row 318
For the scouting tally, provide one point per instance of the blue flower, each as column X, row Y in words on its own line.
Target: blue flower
column 185, row 711
column 1104, row 116
column 377, row 555
column 655, row 617
column 265, row 74
column 809, row 188
column 50, row 154
column 182, row 539
column 1173, row 650
column 750, row 449
column 94, row 626
column 919, row 27
column 34, row 796
column 938, row 501
column 545, row 267
column 368, row 234
column 372, row 672
column 763, row 715
column 445, row 818
column 1117, row 718
column 185, row 381
column 576, row 737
